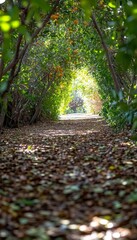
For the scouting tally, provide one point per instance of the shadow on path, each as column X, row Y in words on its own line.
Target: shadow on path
column 68, row 180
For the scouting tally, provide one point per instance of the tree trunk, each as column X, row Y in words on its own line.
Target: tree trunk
column 108, row 54
column 3, row 109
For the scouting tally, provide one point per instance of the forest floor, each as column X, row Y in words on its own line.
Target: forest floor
column 69, row 180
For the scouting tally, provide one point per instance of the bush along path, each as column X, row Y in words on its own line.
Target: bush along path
column 69, row 180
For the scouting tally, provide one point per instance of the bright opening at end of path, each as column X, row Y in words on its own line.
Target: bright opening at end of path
column 76, row 116
column 2, row 1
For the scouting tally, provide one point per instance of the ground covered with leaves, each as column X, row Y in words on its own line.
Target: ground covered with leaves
column 69, row 180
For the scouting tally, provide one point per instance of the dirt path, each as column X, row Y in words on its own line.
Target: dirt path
column 70, row 180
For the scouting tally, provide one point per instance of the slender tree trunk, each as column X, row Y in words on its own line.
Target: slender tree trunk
column 38, row 107
column 3, row 110
column 108, row 54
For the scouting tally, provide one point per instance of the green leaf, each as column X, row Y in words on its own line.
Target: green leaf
column 120, row 94
column 43, row 4
column 124, row 58
column 23, row 221
column 117, row 205
column 134, row 125
column 112, row 168
column 15, row 24
column 98, row 190
column 29, row 147
column 88, row 6
column 111, row 5
column 132, row 197
column 5, row 27
column 2, row 192
column 14, row 13
column 38, row 232
column 5, row 18
column 27, row 202
column 15, row 207
column 3, row 86
column 134, row 137
column 71, row 189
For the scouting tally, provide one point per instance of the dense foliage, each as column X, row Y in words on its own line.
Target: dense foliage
column 114, row 25
column 43, row 43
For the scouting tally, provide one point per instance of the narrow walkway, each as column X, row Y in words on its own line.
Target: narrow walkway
column 78, row 116
column 69, row 180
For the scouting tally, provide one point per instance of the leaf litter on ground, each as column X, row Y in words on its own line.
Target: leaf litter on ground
column 73, row 180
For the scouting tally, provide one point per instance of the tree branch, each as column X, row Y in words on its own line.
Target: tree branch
column 37, row 31
column 108, row 55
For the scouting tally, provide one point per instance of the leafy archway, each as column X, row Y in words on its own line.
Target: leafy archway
column 49, row 39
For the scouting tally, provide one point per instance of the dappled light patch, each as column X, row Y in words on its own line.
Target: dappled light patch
column 80, row 116
column 71, row 179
